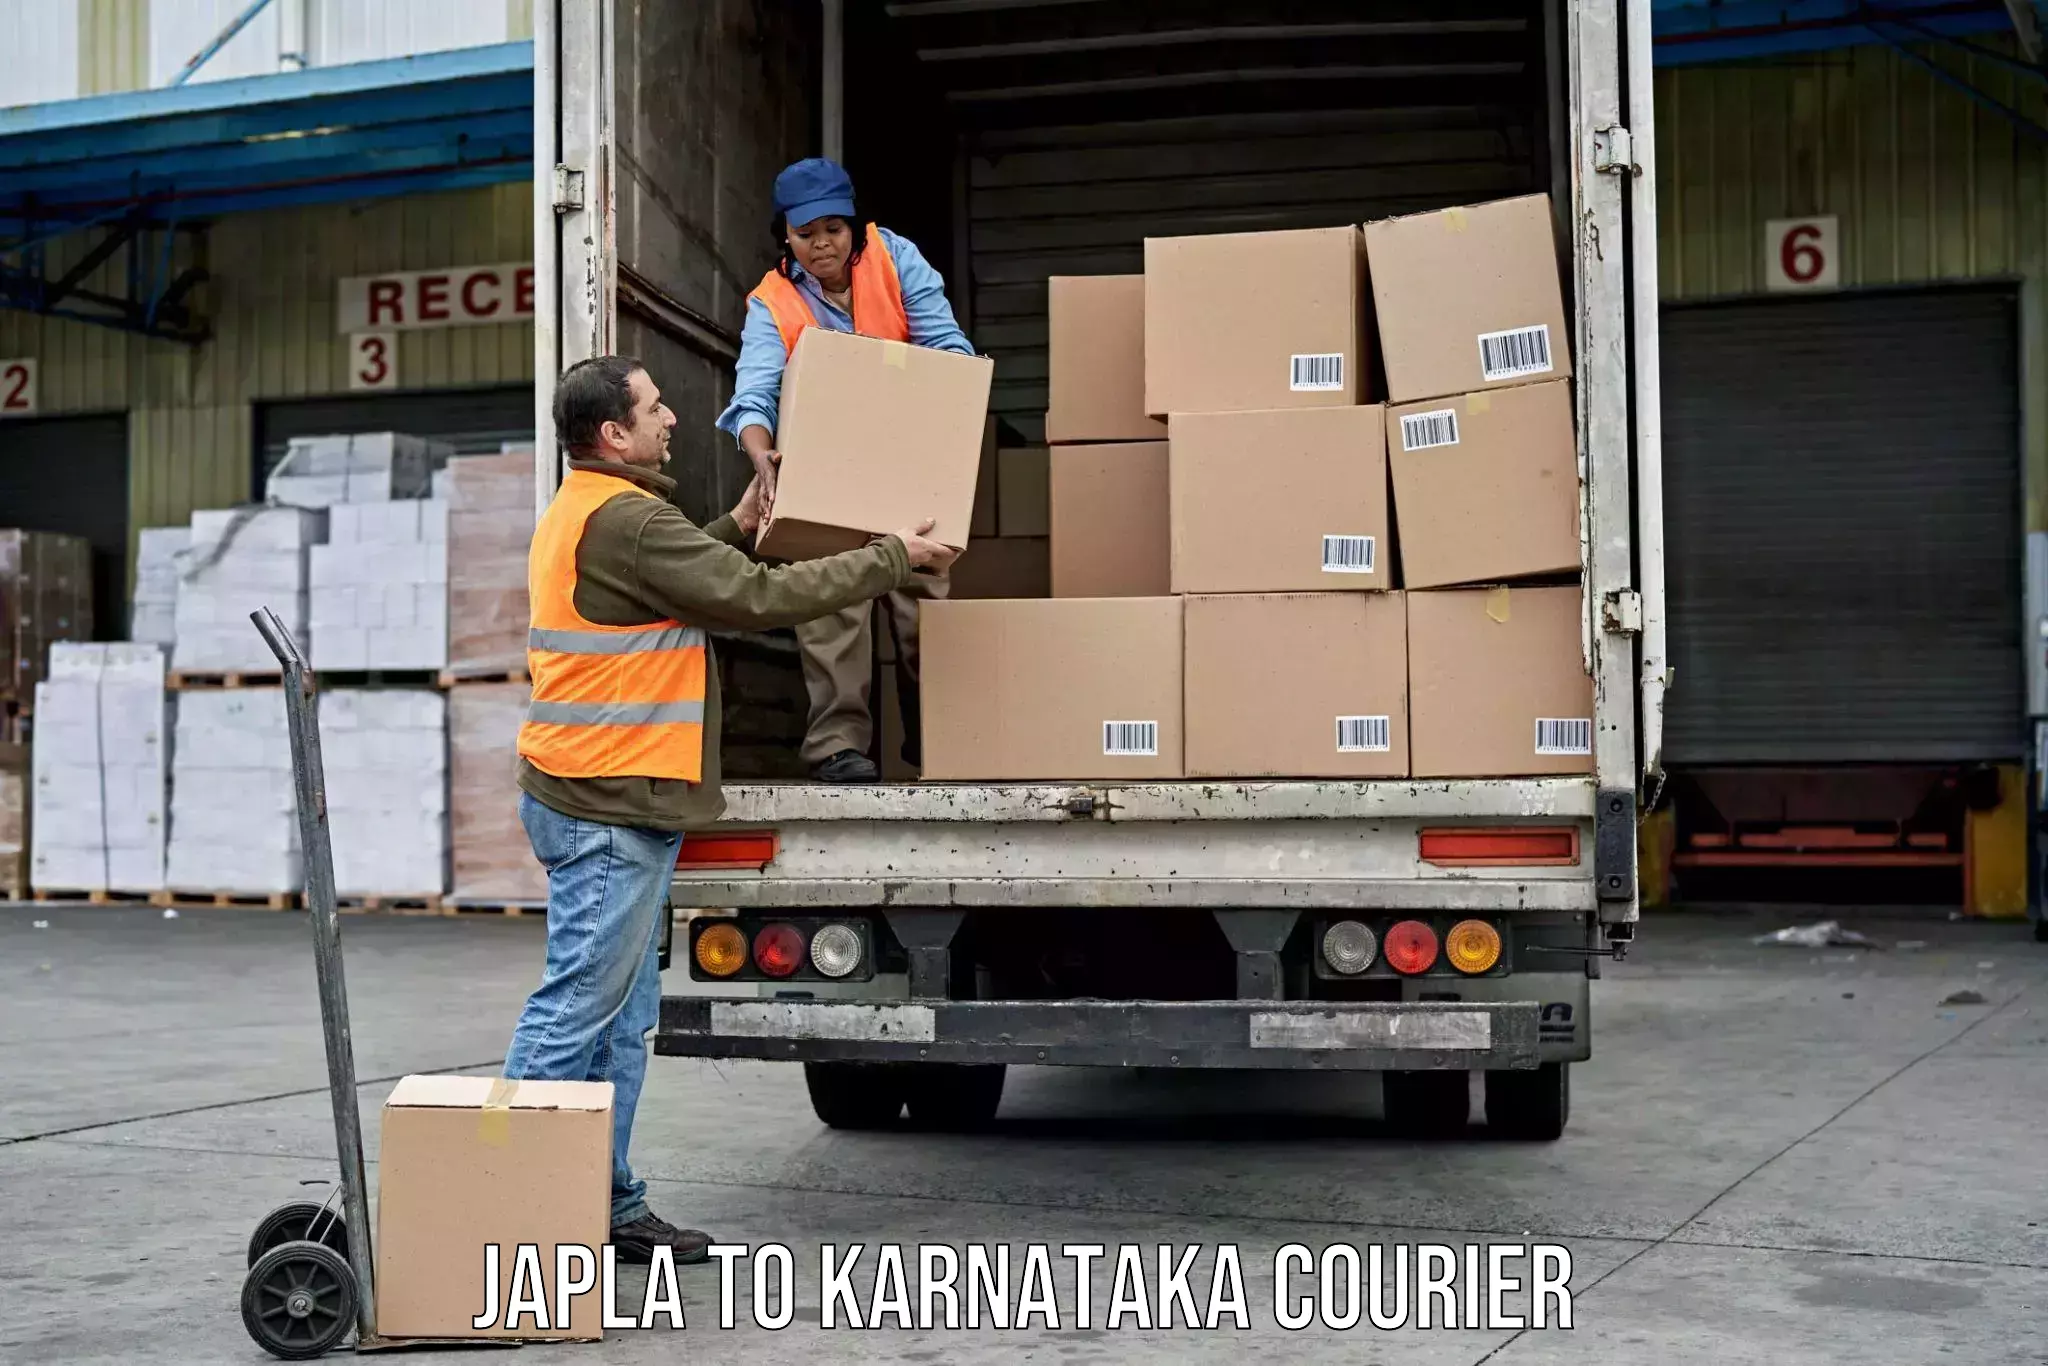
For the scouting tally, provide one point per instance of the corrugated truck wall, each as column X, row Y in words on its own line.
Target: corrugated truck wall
column 1928, row 185
column 271, row 302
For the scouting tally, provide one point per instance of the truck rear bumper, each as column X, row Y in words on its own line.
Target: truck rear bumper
column 1338, row 1036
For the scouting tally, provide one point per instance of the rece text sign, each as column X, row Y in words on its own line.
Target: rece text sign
column 459, row 296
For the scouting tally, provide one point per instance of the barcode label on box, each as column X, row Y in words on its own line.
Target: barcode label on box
column 1564, row 735
column 1348, row 554
column 1365, row 734
column 1314, row 374
column 1420, row 431
column 1514, row 353
column 1130, row 737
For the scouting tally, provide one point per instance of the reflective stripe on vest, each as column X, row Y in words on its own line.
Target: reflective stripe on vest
column 877, row 298
column 608, row 701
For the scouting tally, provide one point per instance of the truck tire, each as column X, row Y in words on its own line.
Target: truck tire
column 955, row 1095
column 1427, row 1104
column 855, row 1095
column 1534, row 1105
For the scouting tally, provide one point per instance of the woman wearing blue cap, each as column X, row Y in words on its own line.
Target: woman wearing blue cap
column 840, row 273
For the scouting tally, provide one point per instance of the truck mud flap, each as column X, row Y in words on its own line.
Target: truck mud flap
column 1308, row 1035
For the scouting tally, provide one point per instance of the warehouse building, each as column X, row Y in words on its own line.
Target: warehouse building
column 1854, row 229
column 182, row 258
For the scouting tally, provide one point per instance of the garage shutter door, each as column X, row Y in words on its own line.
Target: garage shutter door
column 1842, row 494
column 70, row 475
column 474, row 421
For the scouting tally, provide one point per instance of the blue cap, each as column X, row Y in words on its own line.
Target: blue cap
column 812, row 189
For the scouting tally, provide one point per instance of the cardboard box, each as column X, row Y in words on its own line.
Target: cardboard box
column 1054, row 689
column 1238, row 321
column 1096, row 361
column 1297, row 685
column 471, row 1161
column 1280, row 501
column 1006, row 567
column 1486, row 486
column 1468, row 299
column 1024, row 489
column 875, row 436
column 1495, row 684
column 1109, row 521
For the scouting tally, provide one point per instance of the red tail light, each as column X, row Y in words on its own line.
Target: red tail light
column 1526, row 845
column 1410, row 947
column 754, row 849
column 779, row 950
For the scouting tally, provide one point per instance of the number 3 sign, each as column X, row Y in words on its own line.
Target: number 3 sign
column 1799, row 253
column 372, row 360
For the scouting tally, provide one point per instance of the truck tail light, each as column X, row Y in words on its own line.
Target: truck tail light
column 779, row 950
column 1349, row 947
column 1520, row 845
column 1411, row 947
column 835, row 950
column 747, row 849
column 1472, row 946
column 722, row 950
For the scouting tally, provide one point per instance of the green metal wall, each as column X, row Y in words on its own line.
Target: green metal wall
column 271, row 302
column 1929, row 185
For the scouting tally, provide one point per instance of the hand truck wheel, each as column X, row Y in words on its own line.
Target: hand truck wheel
column 299, row 1300
column 294, row 1221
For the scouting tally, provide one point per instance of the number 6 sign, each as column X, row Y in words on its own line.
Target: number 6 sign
column 17, row 388
column 372, row 360
column 1799, row 253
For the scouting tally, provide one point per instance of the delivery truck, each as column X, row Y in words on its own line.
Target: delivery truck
column 907, row 941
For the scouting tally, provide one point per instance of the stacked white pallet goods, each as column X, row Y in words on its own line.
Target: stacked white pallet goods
column 234, row 822
column 97, row 770
column 385, row 755
column 379, row 596
column 373, row 467
column 159, row 551
column 242, row 559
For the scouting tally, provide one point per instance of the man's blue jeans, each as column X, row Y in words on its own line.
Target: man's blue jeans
column 601, row 990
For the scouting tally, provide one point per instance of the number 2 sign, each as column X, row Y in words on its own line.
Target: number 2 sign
column 372, row 360
column 17, row 388
column 1799, row 253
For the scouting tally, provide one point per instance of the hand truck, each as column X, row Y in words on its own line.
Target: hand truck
column 310, row 1278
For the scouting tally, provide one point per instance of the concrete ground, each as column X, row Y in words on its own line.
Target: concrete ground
column 1777, row 1155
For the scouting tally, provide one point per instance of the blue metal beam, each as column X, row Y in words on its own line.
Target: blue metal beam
column 1689, row 31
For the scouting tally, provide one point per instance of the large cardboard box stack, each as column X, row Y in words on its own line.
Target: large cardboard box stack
column 1483, row 455
column 234, row 823
column 384, row 752
column 378, row 594
column 491, row 861
column 98, row 769
column 45, row 596
column 490, row 529
column 242, row 559
column 1361, row 577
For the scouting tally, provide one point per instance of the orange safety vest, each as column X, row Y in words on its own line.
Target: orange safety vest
column 877, row 298
column 608, row 701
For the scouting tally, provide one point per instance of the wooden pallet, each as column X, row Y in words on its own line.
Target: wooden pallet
column 426, row 903
column 199, row 680
column 378, row 678
column 93, row 896
column 271, row 901
column 485, row 906
column 450, row 678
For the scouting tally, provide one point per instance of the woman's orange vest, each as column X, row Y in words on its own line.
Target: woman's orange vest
column 877, row 298
column 608, row 701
